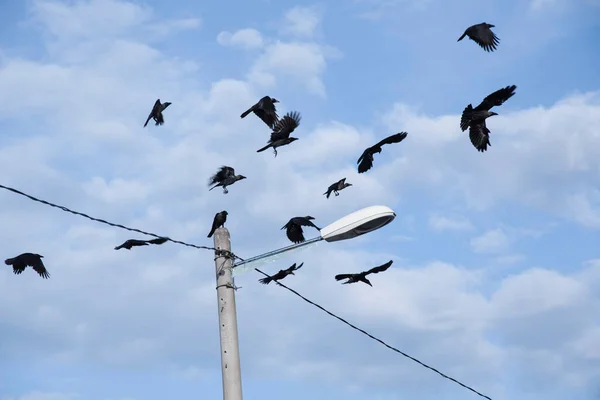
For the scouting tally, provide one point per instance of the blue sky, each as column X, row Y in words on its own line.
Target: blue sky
column 496, row 276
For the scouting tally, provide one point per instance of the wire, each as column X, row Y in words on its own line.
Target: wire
column 376, row 339
column 109, row 223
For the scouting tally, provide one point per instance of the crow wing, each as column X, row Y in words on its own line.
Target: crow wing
column 223, row 173
column 484, row 37
column 158, row 240
column 396, row 138
column 294, row 233
column 497, row 98
column 155, row 110
column 365, row 161
column 380, row 268
column 267, row 111
column 480, row 136
column 38, row 266
column 339, row 277
column 286, row 125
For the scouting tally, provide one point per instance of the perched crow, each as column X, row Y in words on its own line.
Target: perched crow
column 362, row 277
column 158, row 240
column 294, row 228
column 365, row 161
column 282, row 130
column 281, row 274
column 482, row 35
column 219, row 221
column 265, row 109
column 157, row 111
column 224, row 177
column 474, row 118
column 22, row 261
column 339, row 185
column 132, row 243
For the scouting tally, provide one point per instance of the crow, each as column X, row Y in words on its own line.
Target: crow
column 158, row 240
column 265, row 109
column 362, row 277
column 482, row 35
column 219, row 221
column 224, row 177
column 157, row 111
column 282, row 130
column 474, row 118
column 128, row 244
column 281, row 274
column 22, row 261
column 365, row 161
column 294, row 228
column 339, row 185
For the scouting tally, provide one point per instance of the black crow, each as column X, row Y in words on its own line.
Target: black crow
column 294, row 228
column 265, row 109
column 282, row 130
column 128, row 244
column 335, row 187
column 224, row 177
column 157, row 111
column 482, row 35
column 362, row 277
column 474, row 118
column 281, row 274
column 22, row 261
column 365, row 161
column 219, row 221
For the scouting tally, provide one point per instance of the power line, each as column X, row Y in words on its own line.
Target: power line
column 107, row 222
column 376, row 339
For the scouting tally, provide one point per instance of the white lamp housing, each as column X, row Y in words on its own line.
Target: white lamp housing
column 358, row 223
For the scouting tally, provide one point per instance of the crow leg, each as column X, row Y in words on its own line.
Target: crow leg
column 275, row 151
column 225, row 191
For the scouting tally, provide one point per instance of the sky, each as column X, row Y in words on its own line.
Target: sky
column 496, row 273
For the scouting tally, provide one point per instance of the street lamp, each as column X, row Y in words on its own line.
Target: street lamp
column 352, row 225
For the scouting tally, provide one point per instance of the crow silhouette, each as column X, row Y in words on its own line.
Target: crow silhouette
column 294, row 228
column 482, row 35
column 218, row 221
column 265, row 109
column 157, row 112
column 282, row 131
column 22, row 261
column 224, row 177
column 335, row 187
column 362, row 277
column 281, row 274
column 365, row 161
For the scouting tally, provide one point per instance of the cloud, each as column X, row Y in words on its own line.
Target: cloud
column 77, row 116
column 492, row 241
column 440, row 223
column 302, row 21
column 245, row 38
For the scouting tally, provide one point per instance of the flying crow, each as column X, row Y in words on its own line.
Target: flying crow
column 365, row 161
column 335, row 187
column 282, row 130
column 482, row 35
column 265, row 109
column 362, row 277
column 219, row 221
column 474, row 118
column 22, row 261
column 128, row 244
column 224, row 177
column 156, row 112
column 281, row 274
column 294, row 228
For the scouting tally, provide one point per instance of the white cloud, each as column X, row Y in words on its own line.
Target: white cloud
column 302, row 21
column 89, row 151
column 245, row 38
column 492, row 241
column 441, row 223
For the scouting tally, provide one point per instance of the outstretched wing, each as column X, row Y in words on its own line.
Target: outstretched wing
column 38, row 266
column 303, row 221
column 158, row 240
column 480, row 136
column 466, row 117
column 380, row 268
column 365, row 161
column 484, row 37
column 343, row 276
column 286, row 125
column 497, row 98
column 396, row 138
